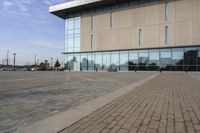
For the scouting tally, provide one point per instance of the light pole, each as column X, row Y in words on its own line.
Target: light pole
column 52, row 64
column 7, row 58
column 14, row 61
column 35, row 61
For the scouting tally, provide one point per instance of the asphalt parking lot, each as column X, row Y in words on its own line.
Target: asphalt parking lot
column 26, row 97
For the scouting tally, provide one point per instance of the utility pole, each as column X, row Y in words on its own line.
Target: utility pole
column 14, row 61
column 35, row 61
column 7, row 58
column 51, row 63
column 38, row 62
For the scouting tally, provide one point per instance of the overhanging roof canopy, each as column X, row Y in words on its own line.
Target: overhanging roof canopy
column 61, row 10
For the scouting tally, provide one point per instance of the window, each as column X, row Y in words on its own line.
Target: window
column 165, row 58
column 143, row 57
column 199, row 57
column 166, row 10
column 72, row 30
column 123, row 61
column 114, row 61
column 111, row 19
column 190, row 56
column 90, row 61
column 177, row 56
column 154, row 57
column 133, row 58
column 140, row 36
column 154, row 60
column 70, row 62
column 98, row 61
column 92, row 41
column 106, row 61
column 166, row 35
column 84, row 61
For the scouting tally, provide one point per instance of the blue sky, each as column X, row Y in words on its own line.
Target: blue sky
column 27, row 28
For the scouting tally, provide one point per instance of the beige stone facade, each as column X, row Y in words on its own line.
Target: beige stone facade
column 123, row 32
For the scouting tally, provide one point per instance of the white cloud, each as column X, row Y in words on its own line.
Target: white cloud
column 16, row 7
column 6, row 4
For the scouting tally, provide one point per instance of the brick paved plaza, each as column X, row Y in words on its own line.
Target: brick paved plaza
column 168, row 103
column 28, row 97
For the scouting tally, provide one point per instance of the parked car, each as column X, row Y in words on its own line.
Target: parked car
column 3, row 69
column 34, row 69
column 7, row 69
column 24, row 69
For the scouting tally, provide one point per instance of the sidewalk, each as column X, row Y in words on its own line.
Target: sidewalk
column 167, row 103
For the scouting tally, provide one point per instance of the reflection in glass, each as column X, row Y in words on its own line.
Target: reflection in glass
column 199, row 57
column 98, row 61
column 84, row 61
column 154, row 60
column 90, row 61
column 143, row 60
column 114, row 61
column 177, row 59
column 133, row 60
column 177, row 56
column 70, row 62
column 165, row 59
column 123, row 60
column 76, row 62
column 190, row 58
column 106, row 61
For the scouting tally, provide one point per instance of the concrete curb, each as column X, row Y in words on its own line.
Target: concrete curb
column 64, row 119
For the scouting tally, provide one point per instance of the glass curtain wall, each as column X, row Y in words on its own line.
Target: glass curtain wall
column 190, row 59
column 84, row 62
column 177, row 59
column 165, row 59
column 169, row 59
column 72, row 31
column 154, row 60
column 106, row 61
column 114, row 61
column 133, row 60
column 72, row 43
column 70, row 64
column 98, row 61
column 143, row 60
column 199, row 59
column 123, row 61
column 91, row 63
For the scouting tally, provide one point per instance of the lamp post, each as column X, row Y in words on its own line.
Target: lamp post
column 35, row 61
column 7, row 59
column 52, row 64
column 14, row 61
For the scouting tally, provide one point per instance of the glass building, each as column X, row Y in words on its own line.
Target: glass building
column 109, row 35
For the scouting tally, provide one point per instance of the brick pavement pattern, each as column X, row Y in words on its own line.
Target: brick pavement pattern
column 169, row 103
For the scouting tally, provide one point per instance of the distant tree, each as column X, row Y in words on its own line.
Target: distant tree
column 44, row 65
column 57, row 64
